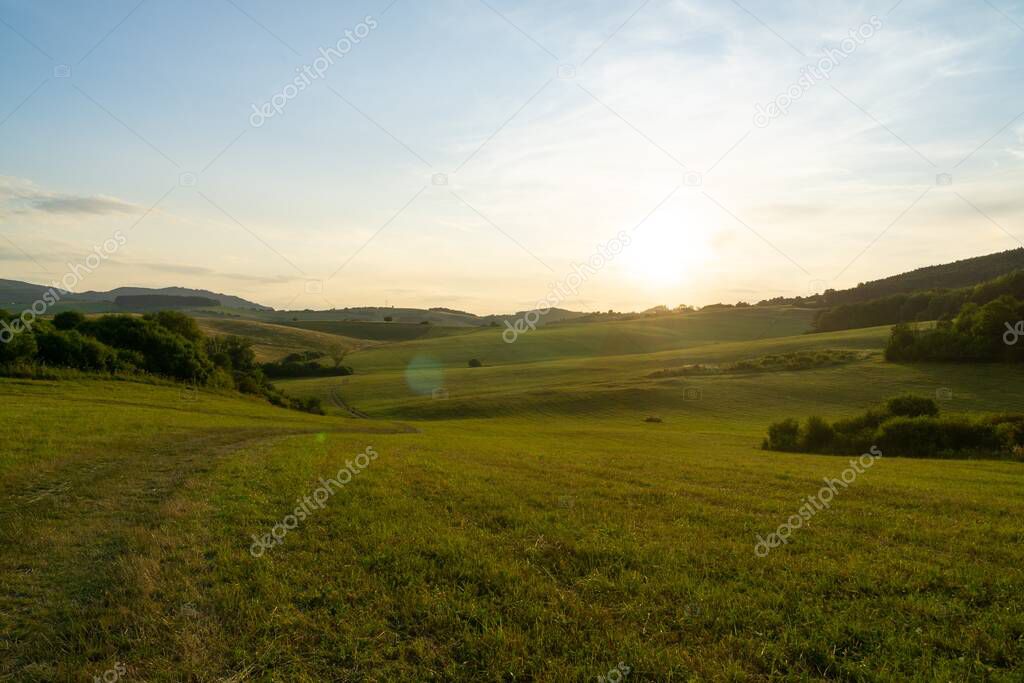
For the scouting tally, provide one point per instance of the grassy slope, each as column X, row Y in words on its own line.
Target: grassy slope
column 273, row 342
column 379, row 331
column 583, row 340
column 398, row 380
column 550, row 542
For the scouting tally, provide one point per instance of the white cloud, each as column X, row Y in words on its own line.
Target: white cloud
column 20, row 196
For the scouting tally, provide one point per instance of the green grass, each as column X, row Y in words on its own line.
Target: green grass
column 589, row 340
column 273, row 342
column 530, row 527
column 609, row 386
column 390, row 332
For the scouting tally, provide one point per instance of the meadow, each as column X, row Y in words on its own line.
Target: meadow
column 378, row 331
column 522, row 521
column 272, row 342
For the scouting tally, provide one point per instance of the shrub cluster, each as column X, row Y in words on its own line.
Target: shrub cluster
column 796, row 360
column 306, row 364
column 976, row 334
column 167, row 344
column 906, row 425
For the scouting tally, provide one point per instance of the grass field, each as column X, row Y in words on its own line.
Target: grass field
column 273, row 342
column 522, row 521
column 378, row 331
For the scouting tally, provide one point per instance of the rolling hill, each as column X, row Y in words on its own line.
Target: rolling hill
column 380, row 331
column 567, row 340
column 526, row 519
column 273, row 342
column 963, row 273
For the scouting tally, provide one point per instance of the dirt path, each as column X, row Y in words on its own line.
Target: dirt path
column 339, row 402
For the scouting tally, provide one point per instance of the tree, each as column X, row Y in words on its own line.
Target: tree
column 21, row 347
column 68, row 320
column 232, row 353
column 179, row 323
column 337, row 352
column 71, row 349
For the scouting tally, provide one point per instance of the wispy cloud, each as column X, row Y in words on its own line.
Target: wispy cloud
column 98, row 205
column 212, row 273
column 21, row 196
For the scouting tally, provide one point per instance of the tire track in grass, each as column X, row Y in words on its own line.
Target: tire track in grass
column 68, row 582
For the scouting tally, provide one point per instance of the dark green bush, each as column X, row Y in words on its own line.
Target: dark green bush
column 783, row 436
column 907, row 426
column 178, row 323
column 68, row 320
column 20, row 348
column 931, row 437
column 71, row 349
column 911, row 406
column 164, row 352
column 816, row 436
column 232, row 353
column 293, row 367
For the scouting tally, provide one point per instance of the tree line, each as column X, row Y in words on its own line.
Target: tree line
column 918, row 306
column 990, row 333
column 166, row 344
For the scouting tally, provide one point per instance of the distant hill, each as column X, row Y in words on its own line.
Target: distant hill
column 15, row 293
column 444, row 317
column 223, row 299
column 147, row 302
column 963, row 273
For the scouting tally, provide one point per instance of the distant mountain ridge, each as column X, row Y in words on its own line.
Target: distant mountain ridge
column 14, row 292
column 17, row 294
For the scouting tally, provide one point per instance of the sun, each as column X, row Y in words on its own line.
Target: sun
column 668, row 250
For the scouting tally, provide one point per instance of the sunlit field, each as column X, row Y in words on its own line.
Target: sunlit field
column 526, row 524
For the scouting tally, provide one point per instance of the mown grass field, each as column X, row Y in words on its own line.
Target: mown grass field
column 527, row 525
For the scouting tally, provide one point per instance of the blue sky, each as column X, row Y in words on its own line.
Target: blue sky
column 555, row 124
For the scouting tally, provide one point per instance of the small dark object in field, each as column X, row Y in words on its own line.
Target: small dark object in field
column 475, row 363
column 652, row 418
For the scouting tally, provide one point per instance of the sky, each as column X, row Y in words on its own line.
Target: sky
column 476, row 154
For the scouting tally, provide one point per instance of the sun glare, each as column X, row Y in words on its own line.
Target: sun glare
column 667, row 251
